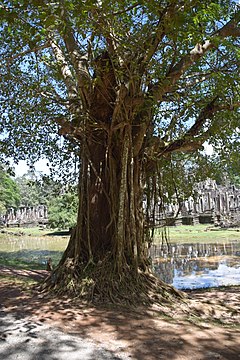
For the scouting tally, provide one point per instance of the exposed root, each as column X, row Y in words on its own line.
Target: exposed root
column 99, row 283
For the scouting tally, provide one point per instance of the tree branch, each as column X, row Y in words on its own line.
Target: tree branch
column 56, row 98
column 79, row 62
column 67, row 129
column 28, row 51
column 126, row 10
column 152, row 43
column 102, row 22
column 162, row 87
column 205, row 114
column 64, row 68
column 192, row 139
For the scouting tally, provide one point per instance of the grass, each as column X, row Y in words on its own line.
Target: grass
column 182, row 233
column 202, row 233
column 31, row 231
column 19, row 263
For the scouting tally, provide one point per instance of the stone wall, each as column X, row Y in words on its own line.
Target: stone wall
column 26, row 215
column 212, row 203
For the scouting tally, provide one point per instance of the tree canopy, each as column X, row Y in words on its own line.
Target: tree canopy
column 9, row 192
column 62, row 211
column 174, row 63
column 129, row 86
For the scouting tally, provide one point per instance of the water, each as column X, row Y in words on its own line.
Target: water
column 190, row 266
column 186, row 266
column 32, row 249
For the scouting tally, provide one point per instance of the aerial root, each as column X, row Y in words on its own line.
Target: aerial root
column 100, row 283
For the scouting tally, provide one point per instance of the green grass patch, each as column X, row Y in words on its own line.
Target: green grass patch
column 202, row 233
column 31, row 231
column 19, row 263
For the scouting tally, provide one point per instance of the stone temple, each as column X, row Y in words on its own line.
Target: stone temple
column 211, row 203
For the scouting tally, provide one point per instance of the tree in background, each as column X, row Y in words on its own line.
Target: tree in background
column 29, row 189
column 9, row 192
column 130, row 85
column 62, row 211
column 228, row 167
column 38, row 189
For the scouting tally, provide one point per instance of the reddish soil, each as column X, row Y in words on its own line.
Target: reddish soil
column 207, row 326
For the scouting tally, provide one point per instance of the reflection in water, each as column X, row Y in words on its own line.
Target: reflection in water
column 33, row 249
column 186, row 266
column 13, row 244
column 189, row 266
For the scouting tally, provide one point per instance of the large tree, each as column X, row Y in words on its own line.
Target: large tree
column 130, row 84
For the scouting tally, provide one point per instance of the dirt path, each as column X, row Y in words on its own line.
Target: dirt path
column 207, row 328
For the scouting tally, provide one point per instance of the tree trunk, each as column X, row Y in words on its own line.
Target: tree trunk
column 106, row 258
column 110, row 218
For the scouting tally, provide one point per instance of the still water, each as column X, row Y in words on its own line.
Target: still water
column 186, row 266
column 32, row 249
column 191, row 266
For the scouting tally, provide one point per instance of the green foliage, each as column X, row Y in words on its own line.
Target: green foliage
column 147, row 42
column 29, row 190
column 9, row 192
column 33, row 90
column 62, row 211
column 35, row 189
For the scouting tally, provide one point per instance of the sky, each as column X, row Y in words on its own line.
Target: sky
column 208, row 148
column 41, row 165
column 22, row 168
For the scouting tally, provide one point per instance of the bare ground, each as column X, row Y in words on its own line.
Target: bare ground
column 206, row 326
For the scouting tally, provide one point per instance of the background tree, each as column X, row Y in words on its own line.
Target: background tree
column 131, row 85
column 38, row 189
column 62, row 211
column 61, row 199
column 30, row 192
column 228, row 167
column 9, row 192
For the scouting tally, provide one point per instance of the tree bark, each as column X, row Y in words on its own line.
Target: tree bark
column 106, row 259
column 110, row 216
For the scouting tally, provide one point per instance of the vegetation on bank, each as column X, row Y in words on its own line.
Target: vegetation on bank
column 182, row 233
column 9, row 192
column 33, row 189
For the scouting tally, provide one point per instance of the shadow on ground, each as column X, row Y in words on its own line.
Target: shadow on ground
column 21, row 338
column 140, row 334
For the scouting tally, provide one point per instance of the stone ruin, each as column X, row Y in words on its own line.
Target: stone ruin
column 26, row 216
column 212, row 203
